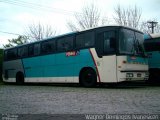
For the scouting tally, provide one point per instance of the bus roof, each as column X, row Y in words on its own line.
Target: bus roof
column 149, row 36
column 71, row 33
column 156, row 35
column 42, row 40
column 118, row 26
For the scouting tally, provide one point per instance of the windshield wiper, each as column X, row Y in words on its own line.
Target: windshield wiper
column 140, row 48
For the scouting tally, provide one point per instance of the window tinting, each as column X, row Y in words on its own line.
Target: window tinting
column 31, row 50
column 34, row 49
column 80, row 41
column 127, row 41
column 37, row 49
column 23, row 51
column 85, row 39
column 139, row 47
column 89, row 39
column 65, row 44
column 11, row 54
column 48, row 47
column 139, row 37
column 109, row 42
column 106, row 42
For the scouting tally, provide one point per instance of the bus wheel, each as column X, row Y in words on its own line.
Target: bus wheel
column 88, row 78
column 19, row 78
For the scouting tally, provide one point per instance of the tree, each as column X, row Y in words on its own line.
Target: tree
column 127, row 17
column 131, row 17
column 89, row 17
column 16, row 41
column 34, row 33
column 146, row 27
column 40, row 31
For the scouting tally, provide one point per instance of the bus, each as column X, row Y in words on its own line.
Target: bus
column 152, row 47
column 107, row 54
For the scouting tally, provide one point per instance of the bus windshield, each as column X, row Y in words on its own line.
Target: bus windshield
column 131, row 42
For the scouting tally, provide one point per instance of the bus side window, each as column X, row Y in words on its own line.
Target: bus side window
column 34, row 49
column 89, row 39
column 23, row 51
column 69, row 43
column 37, row 49
column 61, row 44
column 85, row 39
column 12, row 54
column 79, row 41
column 65, row 44
column 48, row 47
column 30, row 50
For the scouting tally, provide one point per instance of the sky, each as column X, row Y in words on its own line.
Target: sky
column 16, row 15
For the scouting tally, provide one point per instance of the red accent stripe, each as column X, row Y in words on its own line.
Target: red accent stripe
column 95, row 66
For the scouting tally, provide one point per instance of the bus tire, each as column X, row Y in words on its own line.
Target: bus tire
column 19, row 78
column 88, row 77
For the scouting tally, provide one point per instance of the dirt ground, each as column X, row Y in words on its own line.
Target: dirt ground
column 131, row 98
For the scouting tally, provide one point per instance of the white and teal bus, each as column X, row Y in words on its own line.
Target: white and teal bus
column 152, row 47
column 108, row 54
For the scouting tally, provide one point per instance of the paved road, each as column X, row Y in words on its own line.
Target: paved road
column 72, row 99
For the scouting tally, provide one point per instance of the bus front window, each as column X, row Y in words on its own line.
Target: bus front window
column 130, row 42
column 140, row 41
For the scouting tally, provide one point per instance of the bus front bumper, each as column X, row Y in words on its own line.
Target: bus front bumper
column 134, row 76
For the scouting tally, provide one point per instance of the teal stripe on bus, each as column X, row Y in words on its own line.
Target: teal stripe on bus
column 57, row 65
column 154, row 59
column 136, row 59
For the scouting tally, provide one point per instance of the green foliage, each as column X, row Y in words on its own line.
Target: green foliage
column 16, row 41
